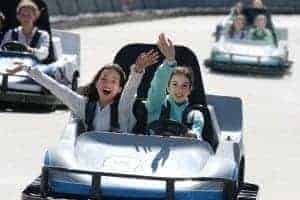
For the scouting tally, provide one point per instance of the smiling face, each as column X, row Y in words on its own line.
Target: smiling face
column 108, row 86
column 179, row 88
column 27, row 16
column 239, row 23
column 2, row 20
column 260, row 21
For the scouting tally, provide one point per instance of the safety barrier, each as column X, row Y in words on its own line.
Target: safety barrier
column 76, row 7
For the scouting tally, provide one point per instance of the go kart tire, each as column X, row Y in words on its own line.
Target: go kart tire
column 31, row 197
column 208, row 63
column 74, row 84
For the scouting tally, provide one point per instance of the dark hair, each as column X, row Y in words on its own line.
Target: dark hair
column 2, row 18
column 232, row 29
column 90, row 90
column 183, row 70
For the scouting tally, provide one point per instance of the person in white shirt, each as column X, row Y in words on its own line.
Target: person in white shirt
column 103, row 94
column 35, row 40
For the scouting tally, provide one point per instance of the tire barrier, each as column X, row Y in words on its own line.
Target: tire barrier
column 76, row 7
column 69, row 7
column 87, row 6
column 104, row 5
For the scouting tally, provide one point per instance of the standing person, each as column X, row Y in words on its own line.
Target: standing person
column 178, row 81
column 36, row 41
column 100, row 106
column 261, row 32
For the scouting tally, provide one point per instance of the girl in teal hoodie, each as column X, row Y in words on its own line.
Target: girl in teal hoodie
column 260, row 32
column 178, row 81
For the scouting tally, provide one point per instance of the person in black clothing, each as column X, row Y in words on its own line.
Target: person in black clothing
column 2, row 22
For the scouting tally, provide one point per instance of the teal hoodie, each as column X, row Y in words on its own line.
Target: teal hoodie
column 157, row 96
column 262, row 35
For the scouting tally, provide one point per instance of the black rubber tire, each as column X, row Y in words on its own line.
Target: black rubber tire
column 208, row 63
column 74, row 84
column 30, row 197
column 3, row 106
column 241, row 178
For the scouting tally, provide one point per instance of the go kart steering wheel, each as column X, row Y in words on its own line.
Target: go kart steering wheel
column 14, row 46
column 167, row 128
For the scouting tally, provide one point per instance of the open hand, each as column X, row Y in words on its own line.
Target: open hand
column 145, row 60
column 166, row 47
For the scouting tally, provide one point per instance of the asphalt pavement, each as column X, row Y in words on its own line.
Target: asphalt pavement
column 271, row 106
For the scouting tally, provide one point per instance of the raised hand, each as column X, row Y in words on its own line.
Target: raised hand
column 166, row 47
column 145, row 60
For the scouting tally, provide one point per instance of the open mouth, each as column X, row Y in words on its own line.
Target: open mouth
column 178, row 96
column 106, row 92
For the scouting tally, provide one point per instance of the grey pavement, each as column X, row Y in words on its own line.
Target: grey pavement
column 271, row 106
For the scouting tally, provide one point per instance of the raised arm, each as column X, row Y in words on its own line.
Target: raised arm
column 42, row 49
column 159, row 83
column 70, row 98
column 128, row 95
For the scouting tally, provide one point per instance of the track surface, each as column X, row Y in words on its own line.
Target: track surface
column 271, row 107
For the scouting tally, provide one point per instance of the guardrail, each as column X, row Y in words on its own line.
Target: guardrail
column 76, row 7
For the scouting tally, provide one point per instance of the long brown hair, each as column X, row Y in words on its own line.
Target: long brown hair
column 232, row 29
column 90, row 90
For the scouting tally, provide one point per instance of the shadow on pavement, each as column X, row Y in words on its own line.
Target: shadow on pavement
column 249, row 75
column 28, row 108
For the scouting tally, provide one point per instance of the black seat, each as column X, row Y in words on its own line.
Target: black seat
column 43, row 23
column 185, row 57
column 209, row 134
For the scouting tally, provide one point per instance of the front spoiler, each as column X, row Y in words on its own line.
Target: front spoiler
column 40, row 190
column 247, row 68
